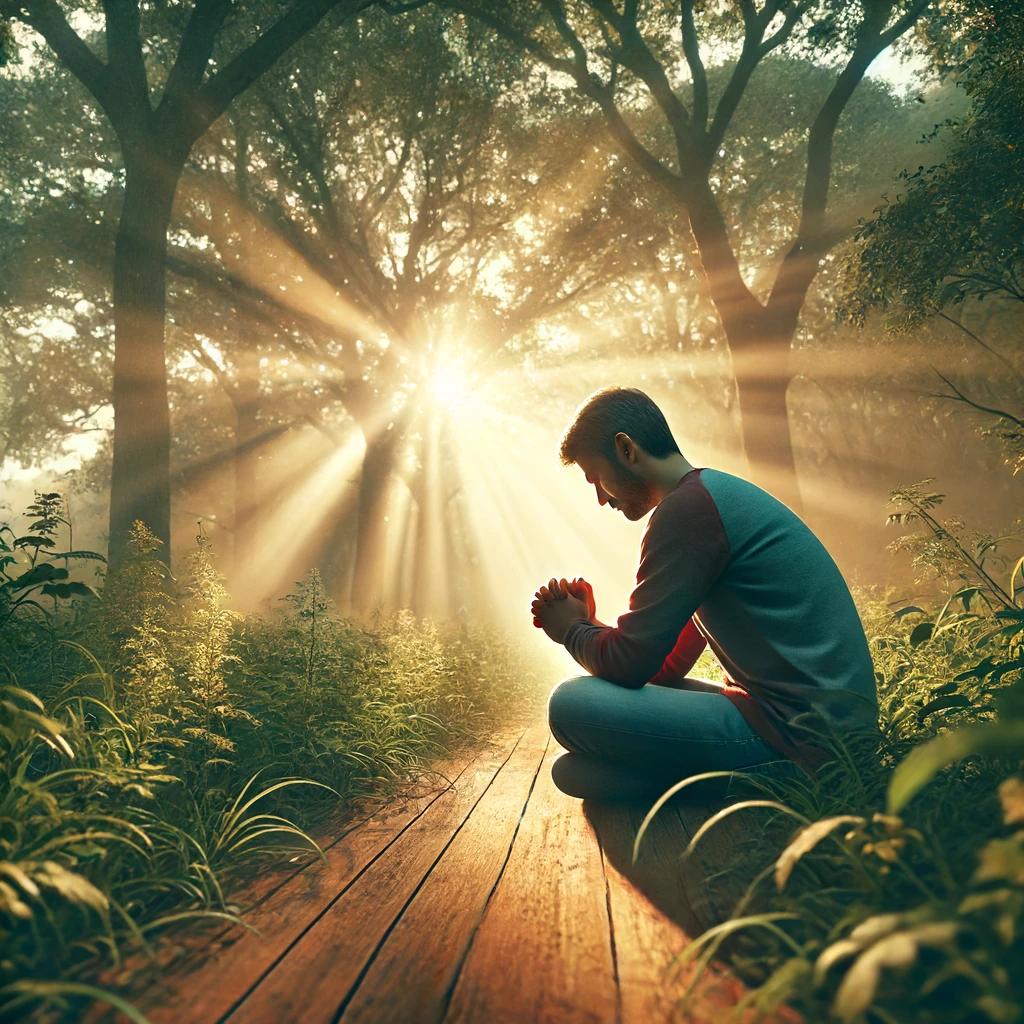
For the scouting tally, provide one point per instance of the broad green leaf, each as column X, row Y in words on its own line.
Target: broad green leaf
column 952, row 700
column 923, row 763
column 806, row 839
column 67, row 590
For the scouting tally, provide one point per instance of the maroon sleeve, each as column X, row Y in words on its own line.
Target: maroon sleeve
column 683, row 553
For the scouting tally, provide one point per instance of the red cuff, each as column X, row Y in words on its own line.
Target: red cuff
column 683, row 656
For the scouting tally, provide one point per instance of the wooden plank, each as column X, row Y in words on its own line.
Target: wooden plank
column 150, row 980
column 411, row 977
column 713, row 890
column 209, row 984
column 651, row 920
column 316, row 975
column 543, row 951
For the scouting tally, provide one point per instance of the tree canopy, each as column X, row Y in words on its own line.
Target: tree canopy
column 955, row 229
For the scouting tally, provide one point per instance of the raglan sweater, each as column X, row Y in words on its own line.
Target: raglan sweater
column 723, row 563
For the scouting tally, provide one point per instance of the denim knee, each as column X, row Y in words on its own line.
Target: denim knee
column 564, row 703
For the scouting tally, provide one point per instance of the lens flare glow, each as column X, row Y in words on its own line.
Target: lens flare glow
column 449, row 387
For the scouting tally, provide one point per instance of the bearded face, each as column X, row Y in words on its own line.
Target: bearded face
column 628, row 492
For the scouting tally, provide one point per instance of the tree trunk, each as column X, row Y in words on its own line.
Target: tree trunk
column 759, row 342
column 140, row 478
column 245, row 394
column 762, row 380
column 368, row 584
column 430, row 568
column 335, row 553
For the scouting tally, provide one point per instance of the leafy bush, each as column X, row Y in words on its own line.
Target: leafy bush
column 155, row 746
column 25, row 580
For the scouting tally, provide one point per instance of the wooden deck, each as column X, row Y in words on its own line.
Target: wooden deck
column 493, row 899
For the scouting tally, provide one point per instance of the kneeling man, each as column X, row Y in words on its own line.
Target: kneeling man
column 722, row 564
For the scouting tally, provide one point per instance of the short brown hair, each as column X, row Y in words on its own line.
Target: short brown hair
column 608, row 412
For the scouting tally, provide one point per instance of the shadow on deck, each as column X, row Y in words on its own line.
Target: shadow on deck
column 495, row 899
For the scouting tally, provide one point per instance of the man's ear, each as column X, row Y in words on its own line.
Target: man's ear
column 626, row 447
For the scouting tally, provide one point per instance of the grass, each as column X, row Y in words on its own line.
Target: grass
column 156, row 749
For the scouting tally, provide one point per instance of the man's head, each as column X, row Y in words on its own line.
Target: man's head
column 620, row 439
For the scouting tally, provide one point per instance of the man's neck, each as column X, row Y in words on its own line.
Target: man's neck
column 666, row 474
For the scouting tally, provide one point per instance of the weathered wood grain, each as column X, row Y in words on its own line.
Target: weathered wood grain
column 543, row 952
column 411, row 977
column 497, row 902
column 316, row 975
column 206, row 987
column 651, row 920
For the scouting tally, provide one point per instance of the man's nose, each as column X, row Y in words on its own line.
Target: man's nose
column 602, row 498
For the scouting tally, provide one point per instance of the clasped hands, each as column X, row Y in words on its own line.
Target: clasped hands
column 560, row 603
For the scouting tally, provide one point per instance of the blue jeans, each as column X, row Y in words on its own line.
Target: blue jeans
column 631, row 744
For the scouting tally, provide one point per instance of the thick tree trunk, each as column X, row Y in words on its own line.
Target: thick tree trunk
column 430, row 568
column 140, row 479
column 759, row 341
column 368, row 583
column 424, row 568
column 762, row 380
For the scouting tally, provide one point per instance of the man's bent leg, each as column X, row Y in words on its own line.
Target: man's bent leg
column 624, row 741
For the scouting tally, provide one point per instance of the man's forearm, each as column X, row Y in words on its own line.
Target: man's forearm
column 603, row 651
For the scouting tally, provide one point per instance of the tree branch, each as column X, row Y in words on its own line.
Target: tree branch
column 623, row 134
column 556, row 11
column 691, row 51
column 384, row 193
column 521, row 39
column 988, row 348
column 602, row 95
column 186, row 76
column 961, row 397
column 637, row 56
column 755, row 49
column 204, row 358
column 906, row 22
column 872, row 40
column 793, row 13
column 220, row 89
column 312, row 168
column 390, row 8
column 124, row 55
column 801, row 262
column 47, row 18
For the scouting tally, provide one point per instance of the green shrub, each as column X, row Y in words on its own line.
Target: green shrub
column 155, row 746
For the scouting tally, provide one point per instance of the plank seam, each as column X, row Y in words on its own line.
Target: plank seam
column 405, row 906
column 450, row 991
column 380, row 853
column 611, row 930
